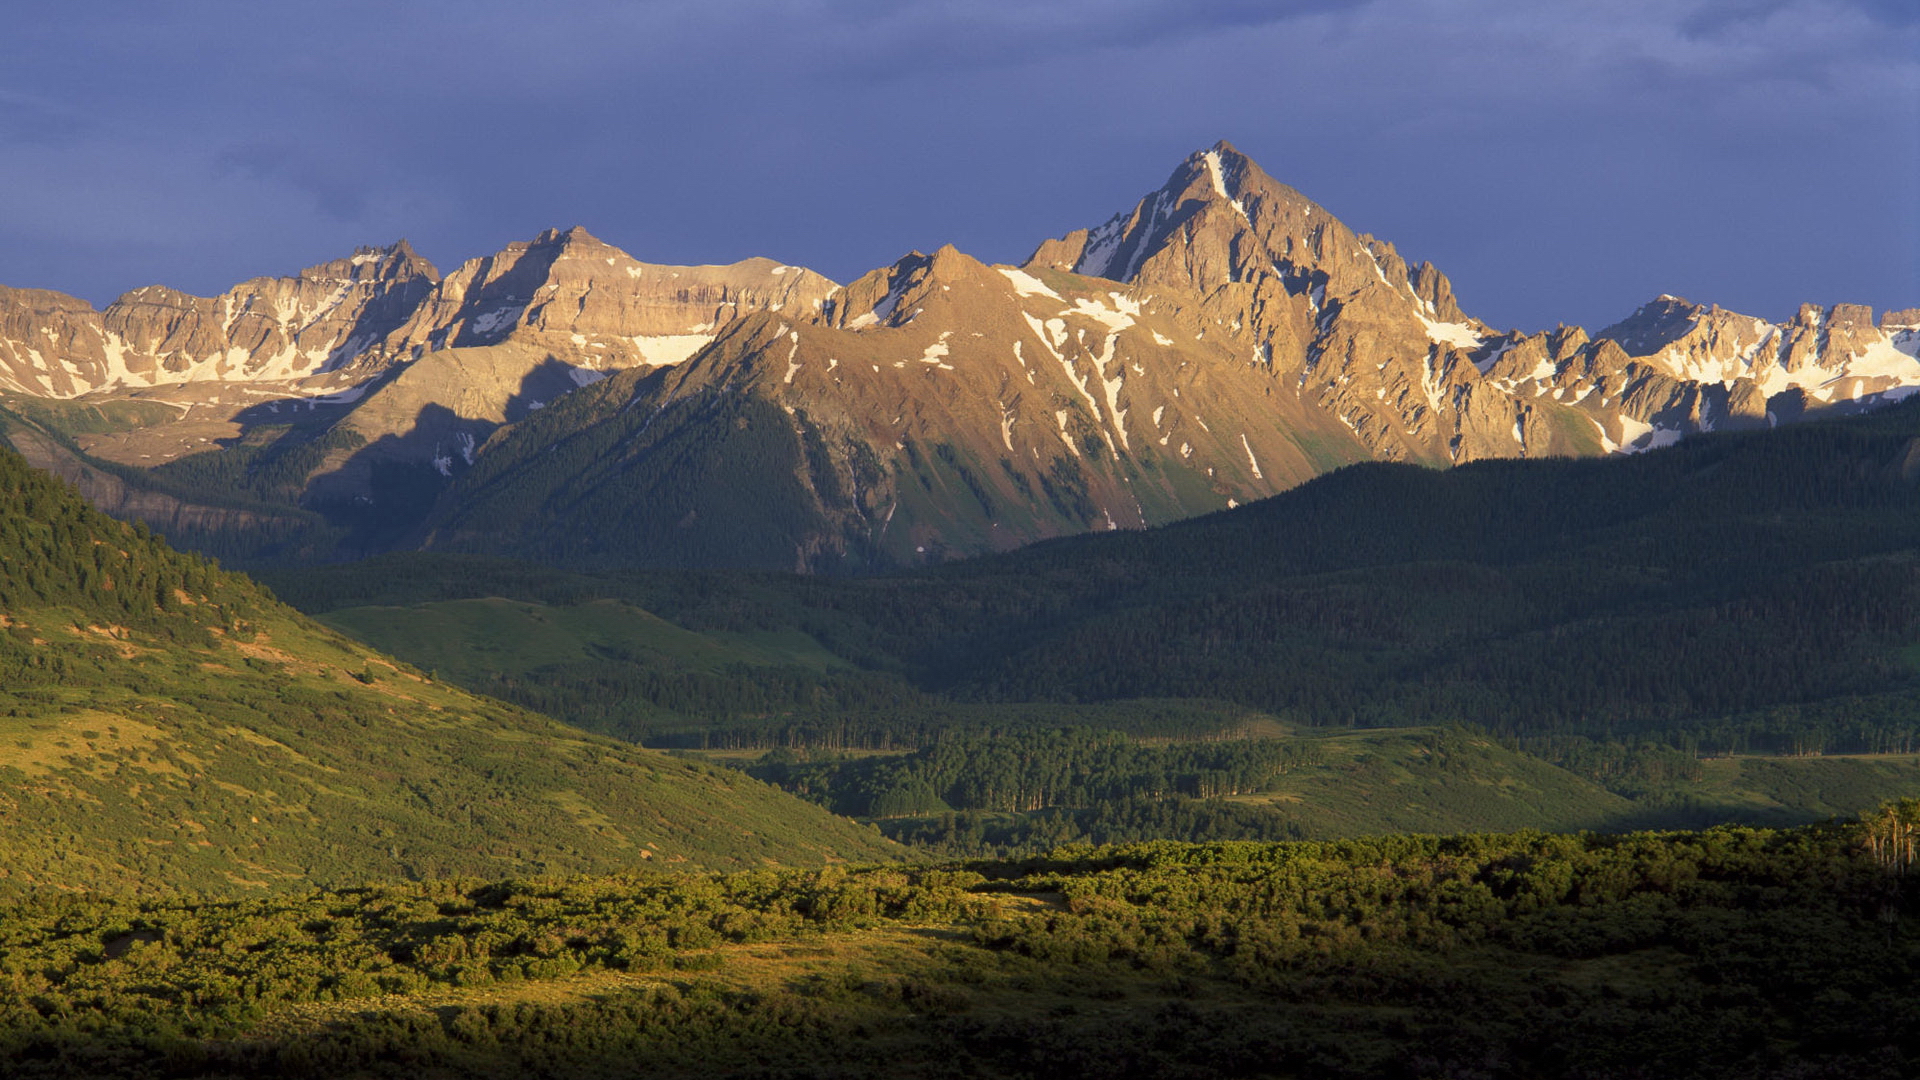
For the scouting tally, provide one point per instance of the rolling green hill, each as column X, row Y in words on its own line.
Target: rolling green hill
column 167, row 724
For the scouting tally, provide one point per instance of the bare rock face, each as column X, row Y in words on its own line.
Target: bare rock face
column 586, row 303
column 1681, row 367
column 935, row 407
column 434, row 414
column 1339, row 319
column 362, row 340
column 504, row 335
column 594, row 306
column 50, row 343
column 267, row 329
column 1386, row 349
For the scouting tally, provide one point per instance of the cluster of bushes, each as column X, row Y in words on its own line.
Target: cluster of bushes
column 1730, row 952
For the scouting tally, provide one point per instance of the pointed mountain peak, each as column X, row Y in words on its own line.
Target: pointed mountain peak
column 571, row 236
column 1653, row 325
column 396, row 260
column 1228, row 170
column 893, row 295
column 950, row 261
column 1233, row 176
column 1217, row 199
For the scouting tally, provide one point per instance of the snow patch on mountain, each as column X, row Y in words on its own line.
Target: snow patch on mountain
column 669, row 348
column 1457, row 334
column 1026, row 284
column 1215, row 174
column 1116, row 317
column 488, row 322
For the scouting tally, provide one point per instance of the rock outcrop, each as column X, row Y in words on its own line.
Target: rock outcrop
column 264, row 330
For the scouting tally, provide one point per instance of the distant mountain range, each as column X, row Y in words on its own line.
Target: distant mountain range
column 1223, row 340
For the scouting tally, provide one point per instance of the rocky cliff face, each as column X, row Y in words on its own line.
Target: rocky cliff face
column 936, row 407
column 1385, row 347
column 377, row 356
column 1339, row 319
column 267, row 329
column 591, row 305
column 504, row 335
column 586, row 303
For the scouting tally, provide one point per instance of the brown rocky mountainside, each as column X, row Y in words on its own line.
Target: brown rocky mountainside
column 267, row 329
column 354, row 368
column 1222, row 340
column 937, row 407
column 1387, row 349
column 592, row 306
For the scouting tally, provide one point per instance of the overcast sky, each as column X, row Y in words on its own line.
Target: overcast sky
column 1561, row 160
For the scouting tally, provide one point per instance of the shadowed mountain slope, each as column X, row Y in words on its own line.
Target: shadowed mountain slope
column 1737, row 590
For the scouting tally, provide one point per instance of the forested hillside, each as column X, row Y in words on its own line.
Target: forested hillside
column 1696, row 634
column 167, row 724
column 1735, row 592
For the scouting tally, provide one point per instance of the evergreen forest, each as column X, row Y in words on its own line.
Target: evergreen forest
column 1727, row 629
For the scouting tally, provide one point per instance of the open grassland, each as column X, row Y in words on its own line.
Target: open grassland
column 473, row 640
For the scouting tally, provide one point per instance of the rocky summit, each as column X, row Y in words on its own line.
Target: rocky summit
column 1220, row 341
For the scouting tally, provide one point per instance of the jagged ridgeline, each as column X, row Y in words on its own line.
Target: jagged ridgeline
column 163, row 721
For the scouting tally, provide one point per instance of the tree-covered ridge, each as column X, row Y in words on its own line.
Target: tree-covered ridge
column 1730, row 952
column 164, row 723
column 58, row 552
column 1011, row 791
column 1033, row 770
column 228, row 503
column 1739, row 592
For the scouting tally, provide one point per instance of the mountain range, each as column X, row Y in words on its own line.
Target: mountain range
column 1223, row 340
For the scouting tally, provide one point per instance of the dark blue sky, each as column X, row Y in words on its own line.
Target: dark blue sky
column 1562, row 160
